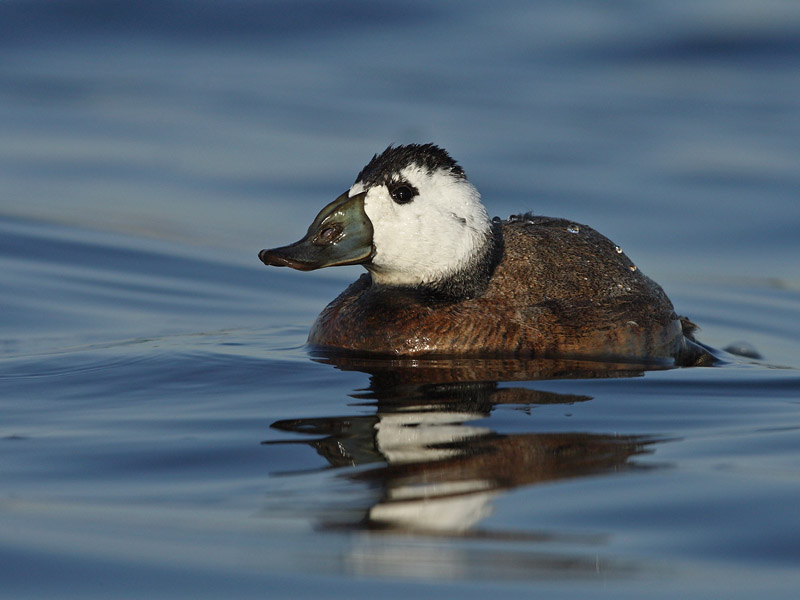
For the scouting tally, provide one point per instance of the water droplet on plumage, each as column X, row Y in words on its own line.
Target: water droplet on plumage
column 632, row 267
column 618, row 249
column 574, row 228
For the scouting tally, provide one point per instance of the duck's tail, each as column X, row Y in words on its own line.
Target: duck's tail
column 692, row 352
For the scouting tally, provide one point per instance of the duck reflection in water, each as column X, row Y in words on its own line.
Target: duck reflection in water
column 437, row 462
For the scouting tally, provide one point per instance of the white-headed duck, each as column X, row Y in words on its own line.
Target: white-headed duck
column 445, row 279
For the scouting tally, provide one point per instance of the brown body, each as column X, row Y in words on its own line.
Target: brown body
column 559, row 289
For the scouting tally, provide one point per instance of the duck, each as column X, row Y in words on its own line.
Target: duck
column 444, row 279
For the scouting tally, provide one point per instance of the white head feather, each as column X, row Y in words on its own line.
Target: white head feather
column 438, row 233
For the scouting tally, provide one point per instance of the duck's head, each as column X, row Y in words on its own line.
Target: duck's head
column 411, row 218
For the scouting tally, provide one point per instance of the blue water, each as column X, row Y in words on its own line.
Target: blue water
column 164, row 432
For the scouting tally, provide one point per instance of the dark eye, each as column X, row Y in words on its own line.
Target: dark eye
column 403, row 194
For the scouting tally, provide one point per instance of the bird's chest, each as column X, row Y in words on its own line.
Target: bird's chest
column 392, row 325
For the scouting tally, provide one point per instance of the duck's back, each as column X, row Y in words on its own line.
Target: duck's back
column 560, row 289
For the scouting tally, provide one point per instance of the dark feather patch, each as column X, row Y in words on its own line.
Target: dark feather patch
column 384, row 167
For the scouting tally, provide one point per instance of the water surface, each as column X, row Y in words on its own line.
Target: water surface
column 164, row 430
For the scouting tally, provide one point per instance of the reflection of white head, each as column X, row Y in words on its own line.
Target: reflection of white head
column 428, row 220
column 423, row 438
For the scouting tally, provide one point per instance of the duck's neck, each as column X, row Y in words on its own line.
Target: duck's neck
column 468, row 282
